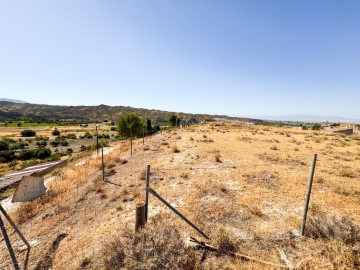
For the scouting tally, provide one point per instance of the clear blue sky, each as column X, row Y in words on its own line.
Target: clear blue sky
column 225, row 57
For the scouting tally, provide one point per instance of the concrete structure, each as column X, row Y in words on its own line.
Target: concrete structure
column 37, row 170
column 30, row 188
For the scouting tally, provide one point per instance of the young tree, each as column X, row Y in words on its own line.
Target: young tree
column 130, row 125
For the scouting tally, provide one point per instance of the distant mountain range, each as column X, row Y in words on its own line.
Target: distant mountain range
column 309, row 118
column 11, row 110
column 12, row 100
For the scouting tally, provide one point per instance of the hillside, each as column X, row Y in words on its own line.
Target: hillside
column 242, row 185
column 9, row 110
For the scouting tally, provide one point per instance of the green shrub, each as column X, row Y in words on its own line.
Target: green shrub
column 8, row 140
column 7, row 156
column 71, row 136
column 56, row 132
column 40, row 153
column 55, row 157
column 102, row 143
column 41, row 138
column 316, row 127
column 87, row 135
column 54, row 143
column 43, row 153
column 28, row 133
column 19, row 145
column 26, row 154
column 41, row 143
column 4, row 146
column 59, row 141
column 104, row 136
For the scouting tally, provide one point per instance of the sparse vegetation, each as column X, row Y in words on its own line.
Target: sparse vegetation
column 175, row 149
column 254, row 209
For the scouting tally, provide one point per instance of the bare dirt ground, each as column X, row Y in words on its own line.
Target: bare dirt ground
column 249, row 180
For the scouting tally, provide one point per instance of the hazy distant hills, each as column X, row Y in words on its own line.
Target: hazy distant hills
column 309, row 118
column 10, row 110
column 12, row 100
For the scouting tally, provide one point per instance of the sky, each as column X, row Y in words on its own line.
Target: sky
column 239, row 58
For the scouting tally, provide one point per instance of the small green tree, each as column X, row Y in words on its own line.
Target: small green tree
column 316, row 127
column 56, row 132
column 173, row 120
column 130, row 125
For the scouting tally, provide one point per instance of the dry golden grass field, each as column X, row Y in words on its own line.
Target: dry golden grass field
column 243, row 185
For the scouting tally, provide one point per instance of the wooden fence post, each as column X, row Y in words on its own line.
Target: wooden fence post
column 140, row 217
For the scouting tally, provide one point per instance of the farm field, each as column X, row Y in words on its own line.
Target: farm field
column 44, row 130
column 243, row 185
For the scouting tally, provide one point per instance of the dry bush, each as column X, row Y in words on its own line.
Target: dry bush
column 328, row 227
column 158, row 246
column 142, row 175
column 175, row 149
column 347, row 172
column 146, row 148
column 123, row 161
column 184, row 175
column 225, row 241
column 217, row 157
column 333, row 255
column 28, row 210
column 110, row 165
column 274, row 147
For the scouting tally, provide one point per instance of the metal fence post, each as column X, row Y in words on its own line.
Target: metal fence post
column 306, row 208
column 147, row 191
column 8, row 244
column 102, row 162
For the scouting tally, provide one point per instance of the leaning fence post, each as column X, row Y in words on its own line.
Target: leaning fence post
column 147, row 191
column 8, row 244
column 2, row 210
column 140, row 217
column 308, row 195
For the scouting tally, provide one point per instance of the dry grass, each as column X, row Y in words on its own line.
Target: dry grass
column 255, row 195
column 159, row 246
